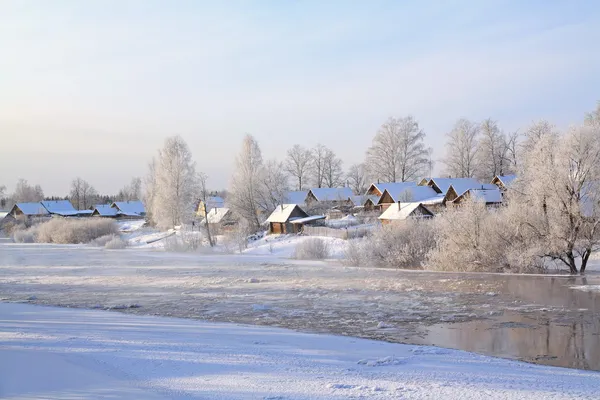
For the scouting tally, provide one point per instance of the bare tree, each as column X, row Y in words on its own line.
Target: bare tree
column 244, row 195
column 333, row 174
column 273, row 186
column 357, row 178
column 204, row 195
column 593, row 118
column 298, row 164
column 317, row 169
column 25, row 193
column 512, row 153
column 83, row 195
column 150, row 189
column 461, row 150
column 174, row 184
column 132, row 191
column 492, row 150
column 398, row 152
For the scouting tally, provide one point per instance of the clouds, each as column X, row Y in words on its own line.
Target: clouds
column 135, row 72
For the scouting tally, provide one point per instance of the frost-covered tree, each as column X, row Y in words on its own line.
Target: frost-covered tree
column 150, row 189
column 273, row 186
column 333, row 173
column 82, row 195
column 593, row 118
column 492, row 151
column 204, row 194
column 461, row 150
column 245, row 193
column 398, row 152
column 173, row 186
column 25, row 193
column 357, row 178
column 131, row 191
column 317, row 167
column 298, row 164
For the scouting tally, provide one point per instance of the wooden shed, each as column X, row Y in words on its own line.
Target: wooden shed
column 280, row 220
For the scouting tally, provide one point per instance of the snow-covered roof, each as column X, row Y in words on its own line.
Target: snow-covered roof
column 307, row 219
column 282, row 213
column 32, row 208
column 332, row 194
column 105, row 210
column 439, row 199
column 396, row 186
column 401, row 211
column 462, row 187
column 411, row 193
column 215, row 202
column 60, row 207
column 296, row 197
column 130, row 208
column 3, row 214
column 459, row 184
column 486, row 195
column 216, row 215
column 506, row 180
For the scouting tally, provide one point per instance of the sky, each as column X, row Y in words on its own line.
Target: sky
column 92, row 88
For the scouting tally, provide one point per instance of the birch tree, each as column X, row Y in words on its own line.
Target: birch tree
column 319, row 155
column 593, row 118
column 82, row 195
column 26, row 193
column 150, row 189
column 244, row 195
column 492, row 150
column 461, row 150
column 273, row 186
column 174, row 183
column 298, row 165
column 357, row 178
column 132, row 191
column 398, row 152
column 204, row 195
column 333, row 173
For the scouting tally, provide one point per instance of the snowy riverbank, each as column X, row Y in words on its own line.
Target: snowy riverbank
column 86, row 354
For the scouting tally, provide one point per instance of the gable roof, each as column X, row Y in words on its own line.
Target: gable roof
column 402, row 211
column 411, row 194
column 130, row 208
column 283, row 212
column 332, row 194
column 461, row 185
column 296, row 197
column 372, row 198
column 105, row 210
column 215, row 202
column 505, row 180
column 486, row 195
column 216, row 215
column 31, row 208
column 60, row 207
column 391, row 185
column 461, row 188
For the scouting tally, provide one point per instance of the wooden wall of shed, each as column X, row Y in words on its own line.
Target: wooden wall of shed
column 451, row 195
column 386, row 198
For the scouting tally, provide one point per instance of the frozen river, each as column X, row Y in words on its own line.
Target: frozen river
column 550, row 320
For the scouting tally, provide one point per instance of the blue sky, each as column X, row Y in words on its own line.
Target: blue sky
column 92, row 88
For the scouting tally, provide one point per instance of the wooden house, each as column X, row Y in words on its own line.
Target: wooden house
column 503, row 182
column 329, row 197
column 441, row 185
column 220, row 220
column 28, row 210
column 211, row 202
column 492, row 197
column 408, row 194
column 457, row 189
column 402, row 211
column 130, row 209
column 296, row 197
column 280, row 220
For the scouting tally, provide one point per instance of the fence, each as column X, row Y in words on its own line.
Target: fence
column 345, row 233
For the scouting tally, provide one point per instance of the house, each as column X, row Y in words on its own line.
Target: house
column 370, row 203
column 280, row 220
column 492, row 197
column 29, row 210
column 64, row 208
column 106, row 211
column 130, row 209
column 503, row 181
column 457, row 189
column 408, row 194
column 377, row 189
column 441, row 185
column 296, row 197
column 330, row 197
column 211, row 202
column 402, row 211
column 220, row 219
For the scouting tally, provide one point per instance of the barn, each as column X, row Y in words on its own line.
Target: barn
column 280, row 220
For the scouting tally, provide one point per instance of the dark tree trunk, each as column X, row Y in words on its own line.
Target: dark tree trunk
column 584, row 260
column 572, row 264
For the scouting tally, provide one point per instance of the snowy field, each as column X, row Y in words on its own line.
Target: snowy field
column 54, row 353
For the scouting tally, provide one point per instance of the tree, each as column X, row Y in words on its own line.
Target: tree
column 333, row 174
column 298, row 164
column 2, row 198
column 398, row 152
column 357, row 178
column 26, row 193
column 492, row 151
column 174, row 184
column 593, row 118
column 317, row 169
column 83, row 195
column 273, row 186
column 461, row 150
column 204, row 194
column 512, row 153
column 150, row 189
column 132, row 191
column 244, row 195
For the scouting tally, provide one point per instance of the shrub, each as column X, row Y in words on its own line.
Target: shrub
column 102, row 240
column 311, row 249
column 115, row 243
column 24, row 235
column 69, row 231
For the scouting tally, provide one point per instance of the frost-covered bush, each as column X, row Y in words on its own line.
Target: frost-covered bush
column 26, row 235
column 186, row 239
column 403, row 244
column 311, row 249
column 65, row 231
column 102, row 240
column 115, row 243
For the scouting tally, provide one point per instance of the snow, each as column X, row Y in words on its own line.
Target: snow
column 131, row 208
column 282, row 213
column 284, row 246
column 507, row 180
column 399, row 211
column 60, row 207
column 487, row 195
column 296, row 197
column 90, row 354
column 412, row 193
column 105, row 210
column 392, row 186
column 216, row 215
column 307, row 219
column 332, row 194
column 3, row 214
column 130, row 225
column 460, row 185
column 32, row 208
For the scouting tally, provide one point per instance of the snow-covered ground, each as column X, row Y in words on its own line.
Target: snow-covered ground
column 53, row 353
